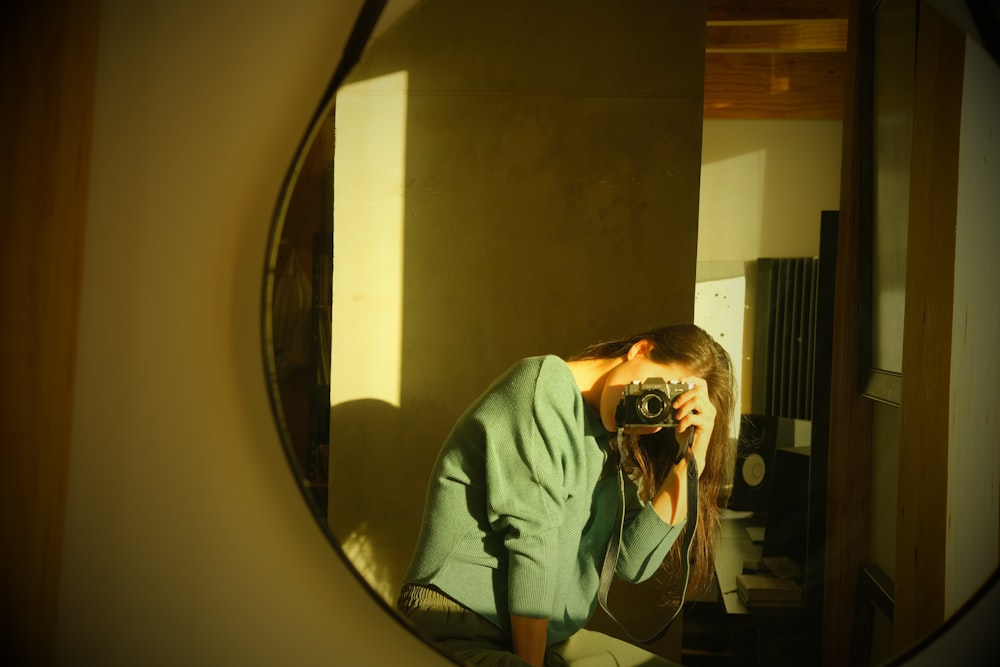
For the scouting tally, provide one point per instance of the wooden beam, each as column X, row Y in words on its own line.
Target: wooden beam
column 801, row 86
column 773, row 10
column 784, row 36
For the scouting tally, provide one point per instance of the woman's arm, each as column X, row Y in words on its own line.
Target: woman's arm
column 693, row 409
column 670, row 501
column 528, row 636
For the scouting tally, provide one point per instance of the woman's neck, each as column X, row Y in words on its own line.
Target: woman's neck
column 590, row 376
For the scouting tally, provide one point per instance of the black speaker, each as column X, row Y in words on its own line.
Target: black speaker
column 754, row 462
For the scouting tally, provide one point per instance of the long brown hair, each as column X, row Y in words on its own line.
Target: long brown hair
column 648, row 459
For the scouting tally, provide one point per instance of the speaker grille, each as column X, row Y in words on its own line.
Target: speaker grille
column 785, row 337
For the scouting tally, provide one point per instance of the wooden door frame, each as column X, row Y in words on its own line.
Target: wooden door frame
column 49, row 67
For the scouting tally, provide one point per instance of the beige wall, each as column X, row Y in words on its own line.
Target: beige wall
column 186, row 540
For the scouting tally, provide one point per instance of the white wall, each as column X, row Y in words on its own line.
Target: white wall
column 186, row 540
column 973, row 446
column 763, row 186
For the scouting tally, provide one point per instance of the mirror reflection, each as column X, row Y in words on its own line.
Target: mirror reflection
column 501, row 182
column 499, row 193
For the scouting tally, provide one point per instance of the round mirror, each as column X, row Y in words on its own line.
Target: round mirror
column 480, row 184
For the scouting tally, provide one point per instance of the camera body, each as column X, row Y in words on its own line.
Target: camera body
column 649, row 403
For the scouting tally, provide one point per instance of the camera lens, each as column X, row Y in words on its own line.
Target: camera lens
column 652, row 406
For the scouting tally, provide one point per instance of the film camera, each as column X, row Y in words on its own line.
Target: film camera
column 648, row 403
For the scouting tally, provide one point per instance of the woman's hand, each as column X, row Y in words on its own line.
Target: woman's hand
column 694, row 410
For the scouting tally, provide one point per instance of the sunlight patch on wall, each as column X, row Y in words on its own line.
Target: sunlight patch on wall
column 369, row 197
column 360, row 550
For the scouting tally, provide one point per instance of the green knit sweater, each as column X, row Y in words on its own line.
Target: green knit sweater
column 522, row 504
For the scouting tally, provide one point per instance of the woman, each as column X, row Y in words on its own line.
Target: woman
column 524, row 499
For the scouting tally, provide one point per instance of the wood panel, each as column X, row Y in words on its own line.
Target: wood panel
column 921, row 532
column 49, row 58
column 850, row 434
column 771, row 10
column 801, row 86
column 784, row 36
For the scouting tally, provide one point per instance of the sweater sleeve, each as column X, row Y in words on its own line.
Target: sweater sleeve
column 527, row 434
column 646, row 539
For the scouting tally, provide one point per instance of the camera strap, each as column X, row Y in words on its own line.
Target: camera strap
column 614, row 545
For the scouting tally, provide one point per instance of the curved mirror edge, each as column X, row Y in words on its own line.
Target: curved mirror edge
column 372, row 18
column 979, row 603
column 270, row 345
column 356, row 42
column 961, row 634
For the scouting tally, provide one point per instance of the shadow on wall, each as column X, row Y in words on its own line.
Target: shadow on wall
column 369, row 460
